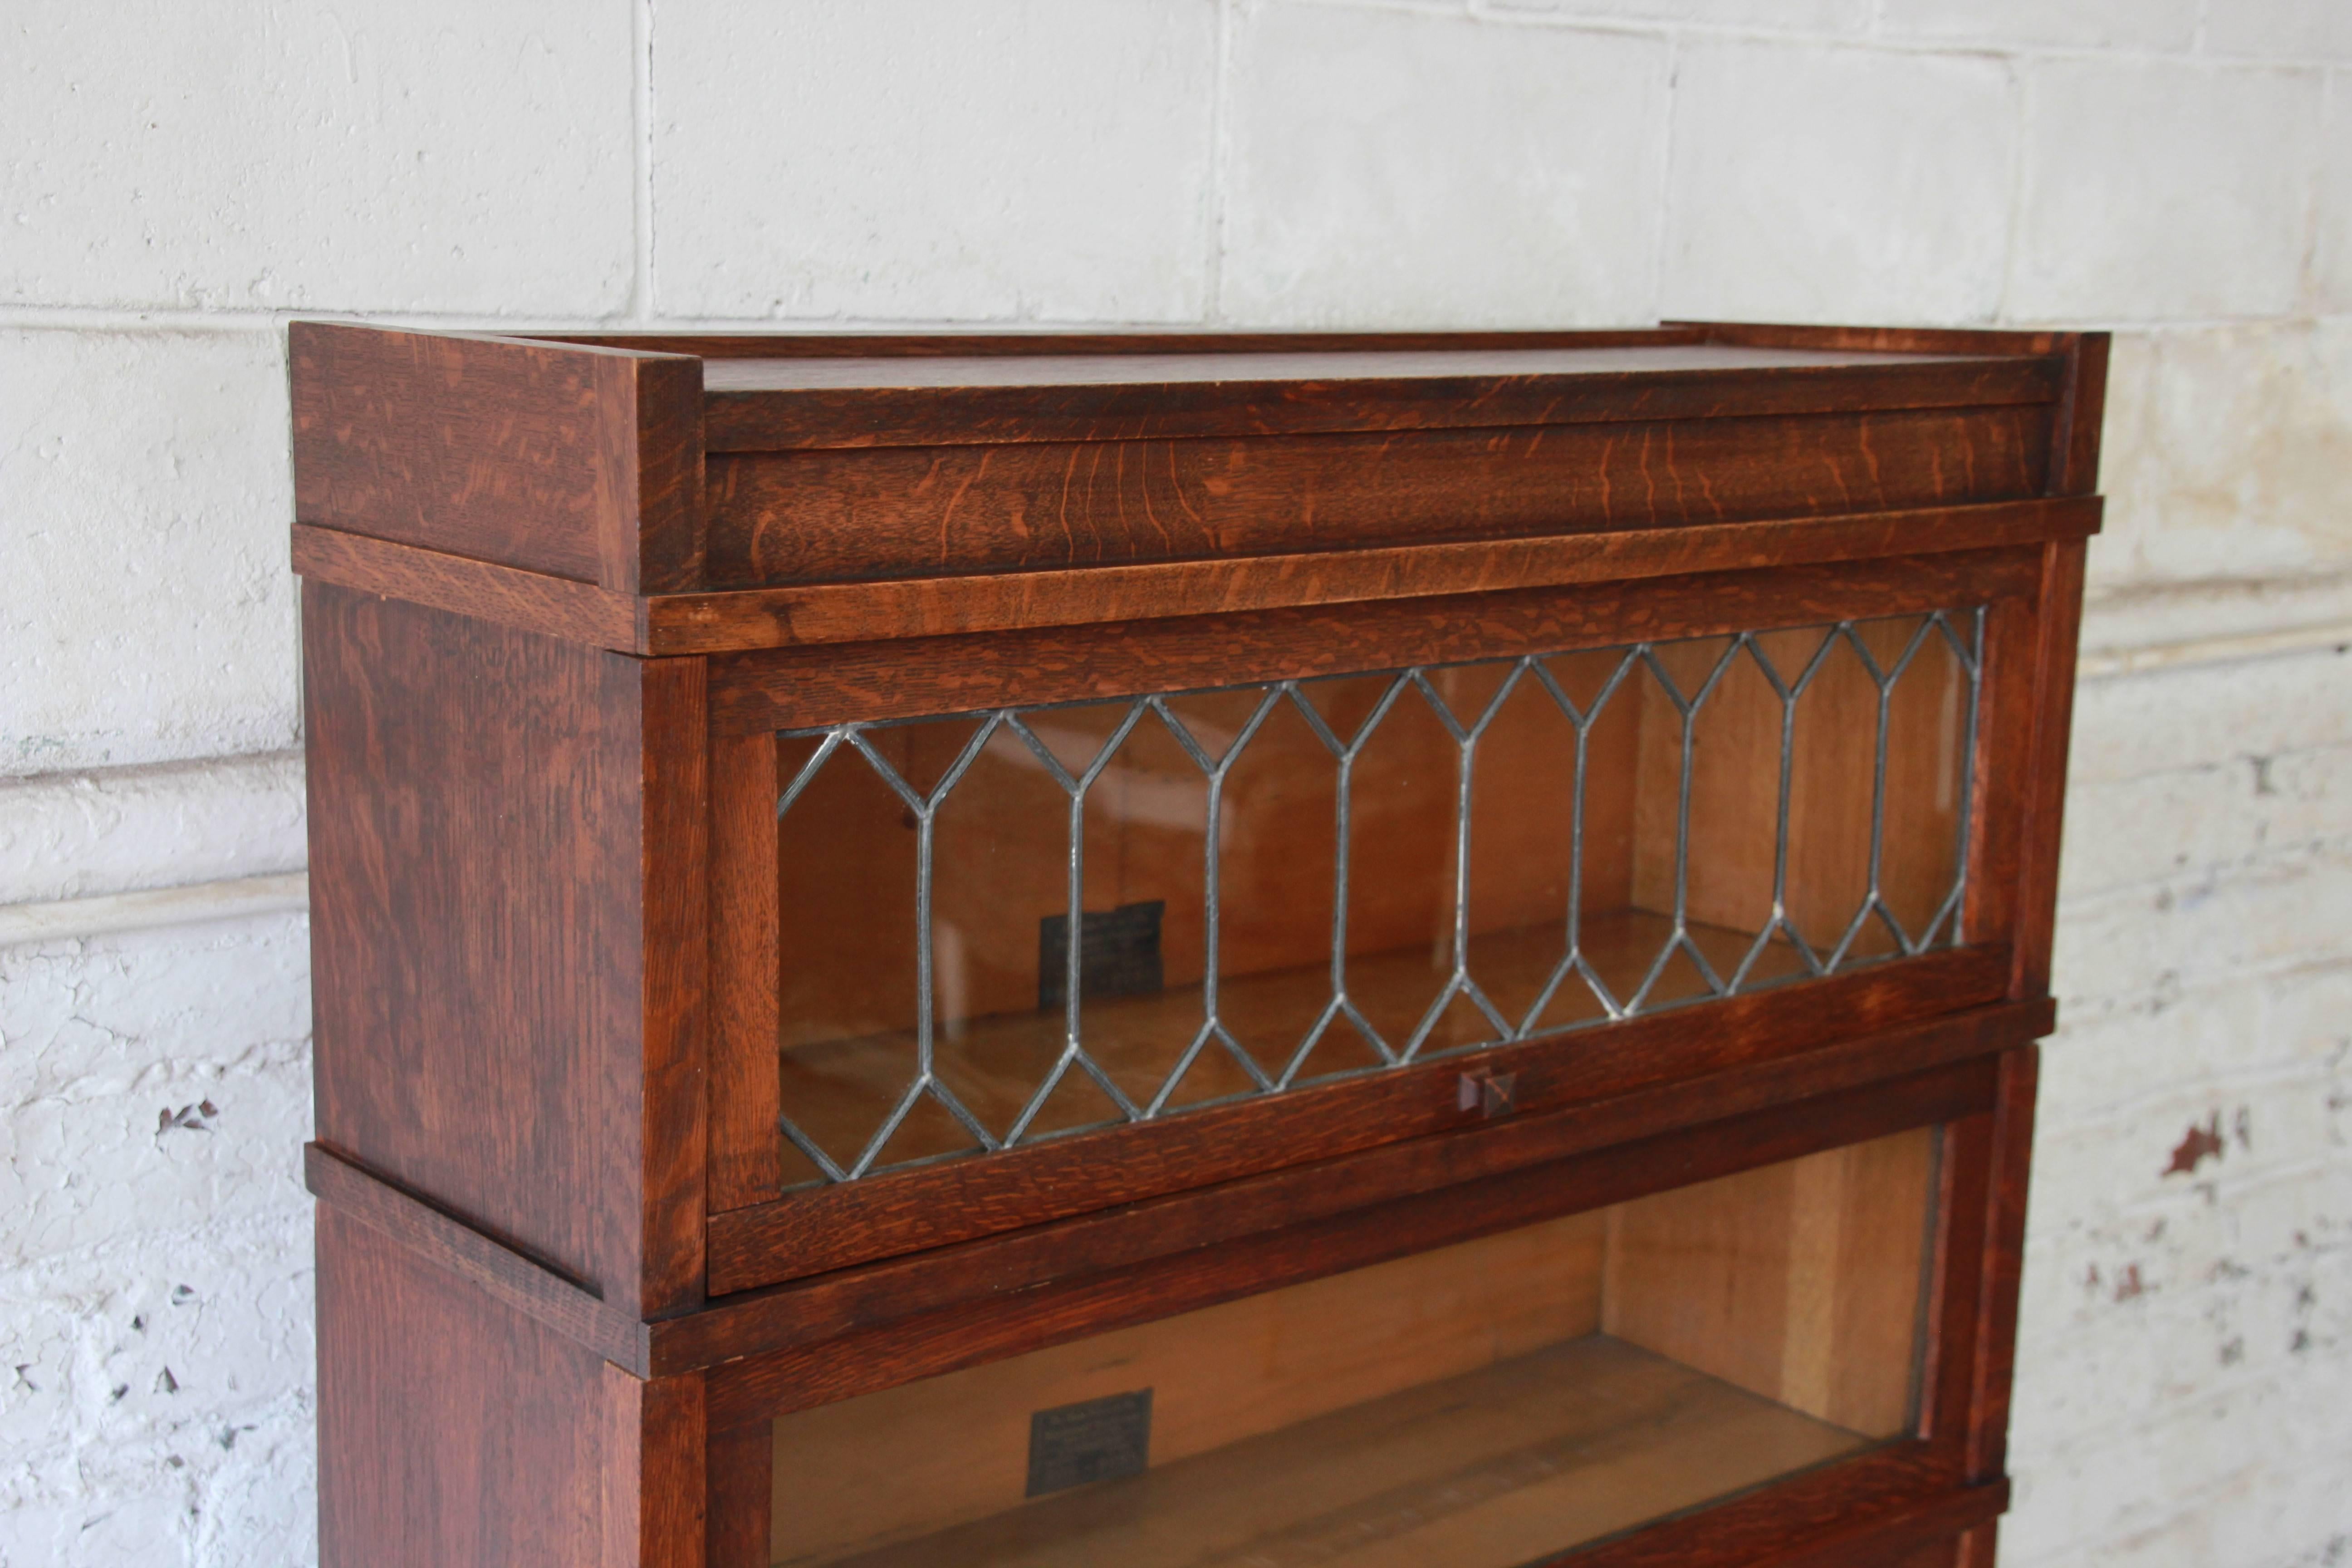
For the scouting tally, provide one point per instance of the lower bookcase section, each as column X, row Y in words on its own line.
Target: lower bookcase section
column 1485, row 1404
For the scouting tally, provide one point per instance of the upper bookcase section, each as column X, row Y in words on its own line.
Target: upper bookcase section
column 666, row 494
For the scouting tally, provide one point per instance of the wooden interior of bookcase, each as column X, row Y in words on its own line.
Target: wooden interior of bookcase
column 1477, row 1404
column 847, row 868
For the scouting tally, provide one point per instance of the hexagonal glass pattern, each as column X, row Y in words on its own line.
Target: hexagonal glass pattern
column 1005, row 926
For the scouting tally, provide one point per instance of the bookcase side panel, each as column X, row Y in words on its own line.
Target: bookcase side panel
column 476, row 805
column 456, row 1432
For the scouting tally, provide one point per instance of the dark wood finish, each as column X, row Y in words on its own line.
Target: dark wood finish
column 809, row 1311
column 745, row 1094
column 651, row 409
column 788, row 689
column 535, row 602
column 1871, row 1512
column 576, row 461
column 1884, row 340
column 827, row 1227
column 2074, row 468
column 985, row 342
column 2006, row 720
column 456, row 1431
column 753, row 618
column 1956, row 1270
column 815, row 517
column 835, row 613
column 2009, row 1156
column 1012, row 1321
column 508, row 1276
column 484, row 964
column 548, row 643
column 673, row 893
column 2043, row 796
column 754, row 1322
column 672, row 1466
column 1943, row 1554
column 802, row 403
column 740, row 1493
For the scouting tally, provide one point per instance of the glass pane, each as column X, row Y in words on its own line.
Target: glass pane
column 846, row 970
column 1001, row 843
column 1482, row 1406
column 1277, row 836
column 1132, row 908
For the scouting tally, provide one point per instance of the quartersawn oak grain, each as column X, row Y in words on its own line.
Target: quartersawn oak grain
column 826, row 516
column 504, row 1019
column 580, row 462
column 743, row 620
column 791, row 687
column 547, row 642
column 797, row 404
column 1014, row 1321
column 829, row 1227
column 514, row 1280
column 753, row 1322
column 457, row 1431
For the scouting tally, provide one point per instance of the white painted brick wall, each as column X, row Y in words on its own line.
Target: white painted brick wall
column 1849, row 184
column 428, row 155
column 2156, row 189
column 1369, row 151
column 1031, row 159
column 147, row 613
column 177, row 180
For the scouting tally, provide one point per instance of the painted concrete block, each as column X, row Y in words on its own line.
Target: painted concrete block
column 70, row 836
column 2132, row 948
column 166, row 1442
column 156, row 1286
column 2159, row 188
column 432, row 156
column 2225, row 452
column 2192, row 1492
column 180, row 1055
column 2281, row 29
column 2331, row 265
column 1814, row 183
column 149, row 611
column 1391, row 169
column 2204, row 821
column 1799, row 15
column 2152, row 624
column 2006, row 24
column 2137, row 726
column 2208, row 1041
column 929, row 159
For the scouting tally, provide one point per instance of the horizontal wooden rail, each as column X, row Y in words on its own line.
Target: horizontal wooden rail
column 765, row 1321
column 867, row 1299
column 1009, row 1319
column 817, row 614
column 524, row 1283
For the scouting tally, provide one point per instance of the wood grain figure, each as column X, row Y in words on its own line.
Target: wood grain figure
column 895, row 921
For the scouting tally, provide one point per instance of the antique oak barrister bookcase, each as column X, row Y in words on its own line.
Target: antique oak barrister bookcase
column 1180, row 950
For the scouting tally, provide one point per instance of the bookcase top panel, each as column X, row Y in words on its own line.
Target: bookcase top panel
column 727, row 492
column 781, row 392
column 782, row 374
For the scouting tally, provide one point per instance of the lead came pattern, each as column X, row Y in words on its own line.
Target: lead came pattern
column 1864, row 937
